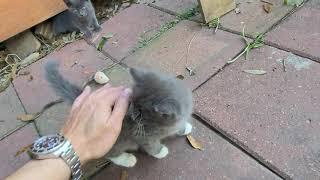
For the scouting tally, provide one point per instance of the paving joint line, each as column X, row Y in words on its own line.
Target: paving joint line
column 293, row 51
column 25, row 110
column 13, row 131
column 242, row 147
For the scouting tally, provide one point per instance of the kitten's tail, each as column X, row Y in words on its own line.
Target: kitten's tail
column 61, row 86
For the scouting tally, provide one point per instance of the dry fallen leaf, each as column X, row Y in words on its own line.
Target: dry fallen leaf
column 22, row 150
column 14, row 71
column 124, row 175
column 28, row 117
column 194, row 143
column 23, row 73
column 30, row 77
column 255, row 72
column 180, row 77
column 267, row 8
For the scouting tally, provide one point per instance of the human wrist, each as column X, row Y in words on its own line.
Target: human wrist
column 79, row 148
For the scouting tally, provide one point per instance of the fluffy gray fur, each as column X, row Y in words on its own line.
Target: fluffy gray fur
column 80, row 16
column 160, row 107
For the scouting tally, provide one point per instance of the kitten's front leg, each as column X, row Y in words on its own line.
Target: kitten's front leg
column 185, row 129
column 155, row 149
column 96, row 25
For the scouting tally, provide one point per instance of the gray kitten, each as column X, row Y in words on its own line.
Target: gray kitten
column 80, row 16
column 161, row 107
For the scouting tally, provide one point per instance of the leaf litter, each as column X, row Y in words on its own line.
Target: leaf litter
column 195, row 143
column 124, row 175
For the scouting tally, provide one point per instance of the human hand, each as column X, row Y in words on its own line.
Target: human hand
column 95, row 121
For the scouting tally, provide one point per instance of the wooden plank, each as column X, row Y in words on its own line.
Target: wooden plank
column 212, row 9
column 19, row 15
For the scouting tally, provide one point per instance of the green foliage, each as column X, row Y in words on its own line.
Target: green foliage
column 256, row 43
column 184, row 16
column 293, row 2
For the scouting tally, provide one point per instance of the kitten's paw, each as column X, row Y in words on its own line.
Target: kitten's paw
column 164, row 151
column 124, row 159
column 187, row 129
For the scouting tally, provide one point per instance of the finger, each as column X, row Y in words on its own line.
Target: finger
column 120, row 108
column 86, row 92
column 103, row 88
column 109, row 96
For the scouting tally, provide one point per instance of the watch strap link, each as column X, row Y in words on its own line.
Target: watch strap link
column 72, row 159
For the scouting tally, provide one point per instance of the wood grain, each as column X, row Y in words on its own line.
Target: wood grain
column 19, row 15
column 212, row 9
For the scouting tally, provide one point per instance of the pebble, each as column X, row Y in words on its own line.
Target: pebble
column 101, row 78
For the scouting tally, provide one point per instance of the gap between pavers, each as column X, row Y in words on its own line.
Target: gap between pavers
column 275, row 115
column 11, row 145
column 218, row 160
column 10, row 108
column 299, row 33
column 188, row 45
column 129, row 27
column 78, row 62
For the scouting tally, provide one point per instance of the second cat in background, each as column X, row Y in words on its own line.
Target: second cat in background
column 80, row 16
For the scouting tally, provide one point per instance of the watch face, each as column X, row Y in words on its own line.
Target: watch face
column 47, row 144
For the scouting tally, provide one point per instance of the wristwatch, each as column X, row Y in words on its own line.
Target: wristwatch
column 57, row 146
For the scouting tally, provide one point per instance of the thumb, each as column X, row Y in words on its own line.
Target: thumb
column 120, row 107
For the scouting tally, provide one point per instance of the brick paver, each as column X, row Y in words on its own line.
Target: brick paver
column 129, row 27
column 218, row 160
column 254, row 17
column 175, row 6
column 78, row 61
column 300, row 33
column 10, row 108
column 173, row 52
column 275, row 115
column 11, row 145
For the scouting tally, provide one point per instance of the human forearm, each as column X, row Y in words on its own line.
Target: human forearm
column 49, row 169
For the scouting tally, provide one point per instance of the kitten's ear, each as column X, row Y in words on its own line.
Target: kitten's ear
column 167, row 108
column 137, row 74
column 70, row 3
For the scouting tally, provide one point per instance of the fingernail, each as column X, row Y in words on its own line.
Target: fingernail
column 127, row 92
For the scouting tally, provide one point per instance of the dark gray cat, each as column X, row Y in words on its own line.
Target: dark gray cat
column 161, row 107
column 80, row 16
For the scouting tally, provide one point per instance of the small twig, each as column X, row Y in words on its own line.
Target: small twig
column 284, row 65
column 217, row 26
column 189, row 46
column 242, row 53
column 266, row 2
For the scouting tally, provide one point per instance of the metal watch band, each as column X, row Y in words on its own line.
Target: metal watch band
column 73, row 161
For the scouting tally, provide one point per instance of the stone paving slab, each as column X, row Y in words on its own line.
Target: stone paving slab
column 128, row 27
column 175, row 6
column 11, row 145
column 173, row 52
column 78, row 62
column 10, row 108
column 218, row 160
column 300, row 33
column 276, row 115
column 254, row 17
